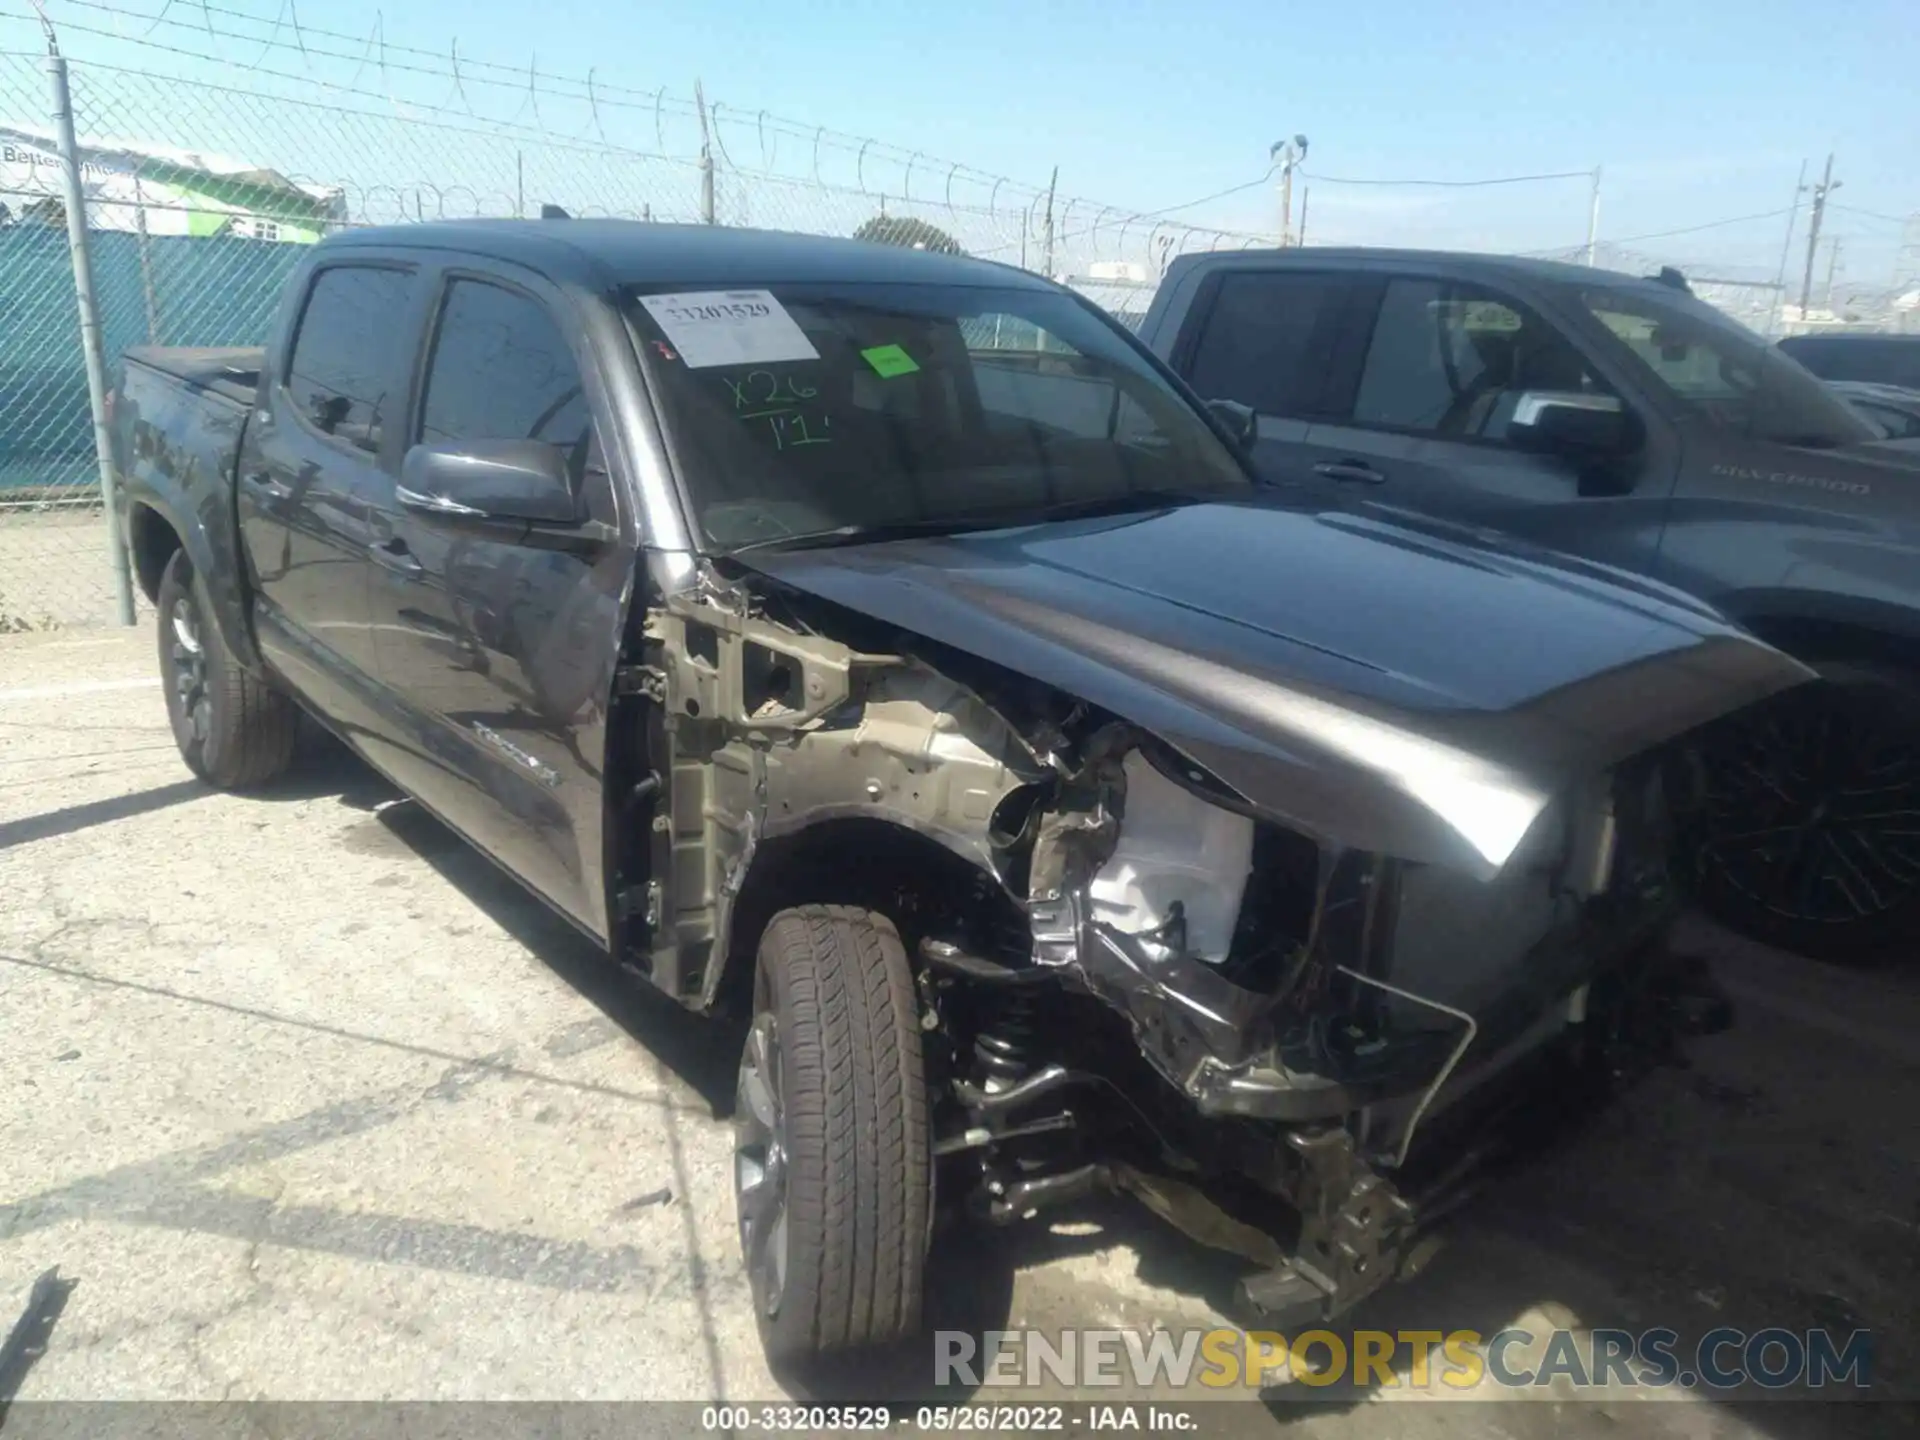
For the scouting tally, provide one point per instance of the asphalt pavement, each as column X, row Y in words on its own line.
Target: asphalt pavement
column 301, row 1100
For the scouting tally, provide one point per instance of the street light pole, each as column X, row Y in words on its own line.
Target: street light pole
column 1288, row 153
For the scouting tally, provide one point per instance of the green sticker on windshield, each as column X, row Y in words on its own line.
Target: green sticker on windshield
column 889, row 360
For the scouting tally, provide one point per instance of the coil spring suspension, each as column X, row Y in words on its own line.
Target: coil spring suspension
column 1003, row 1048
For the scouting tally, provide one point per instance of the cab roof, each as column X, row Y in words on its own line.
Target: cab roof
column 1460, row 263
column 601, row 254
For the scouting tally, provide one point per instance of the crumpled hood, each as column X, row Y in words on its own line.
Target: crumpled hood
column 1376, row 684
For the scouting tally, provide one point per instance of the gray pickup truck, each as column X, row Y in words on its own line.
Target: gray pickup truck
column 1624, row 421
column 882, row 649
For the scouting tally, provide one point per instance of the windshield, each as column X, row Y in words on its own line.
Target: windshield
column 1724, row 372
column 806, row 410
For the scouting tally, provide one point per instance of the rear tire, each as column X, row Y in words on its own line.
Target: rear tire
column 832, row 1162
column 233, row 729
column 1808, row 831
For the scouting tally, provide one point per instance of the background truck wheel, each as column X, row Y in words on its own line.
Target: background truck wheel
column 1807, row 834
column 832, row 1167
column 233, row 730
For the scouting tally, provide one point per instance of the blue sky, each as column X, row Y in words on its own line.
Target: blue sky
column 1698, row 110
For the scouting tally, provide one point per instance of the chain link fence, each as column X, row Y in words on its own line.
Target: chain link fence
column 204, row 182
column 213, row 145
column 49, row 527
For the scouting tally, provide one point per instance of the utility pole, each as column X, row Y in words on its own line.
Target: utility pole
column 1825, row 188
column 1288, row 153
column 1593, row 219
column 1833, row 263
column 1906, row 265
column 1046, row 224
column 1305, row 196
column 1786, row 249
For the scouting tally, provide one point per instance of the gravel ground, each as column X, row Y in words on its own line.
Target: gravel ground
column 307, row 1102
column 54, row 569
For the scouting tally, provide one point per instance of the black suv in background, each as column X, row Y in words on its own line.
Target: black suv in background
column 1870, row 359
column 1624, row 421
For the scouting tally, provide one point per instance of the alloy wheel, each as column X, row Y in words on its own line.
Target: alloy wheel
column 188, row 652
column 760, row 1164
column 1813, row 809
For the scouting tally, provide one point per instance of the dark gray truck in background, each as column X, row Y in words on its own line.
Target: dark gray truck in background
column 1624, row 421
column 882, row 649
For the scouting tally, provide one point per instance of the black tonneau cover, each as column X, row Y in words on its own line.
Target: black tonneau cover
column 231, row 372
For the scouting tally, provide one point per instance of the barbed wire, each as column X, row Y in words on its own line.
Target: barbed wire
column 211, row 138
column 756, row 149
column 213, row 135
column 526, row 83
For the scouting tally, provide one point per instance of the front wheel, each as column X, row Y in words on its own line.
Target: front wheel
column 832, row 1161
column 1808, row 829
column 233, row 729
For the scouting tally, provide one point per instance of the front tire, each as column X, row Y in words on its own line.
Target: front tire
column 1808, row 830
column 233, row 729
column 832, row 1162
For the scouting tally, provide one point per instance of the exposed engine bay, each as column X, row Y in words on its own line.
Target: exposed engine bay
column 1130, row 978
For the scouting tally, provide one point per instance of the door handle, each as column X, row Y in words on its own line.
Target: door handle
column 1355, row 471
column 393, row 555
column 268, row 486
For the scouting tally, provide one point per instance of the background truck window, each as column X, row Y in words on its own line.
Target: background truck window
column 1448, row 360
column 1265, row 340
column 1723, row 372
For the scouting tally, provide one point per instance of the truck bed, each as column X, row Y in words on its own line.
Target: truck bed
column 231, row 373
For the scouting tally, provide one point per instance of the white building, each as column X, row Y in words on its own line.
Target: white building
column 161, row 191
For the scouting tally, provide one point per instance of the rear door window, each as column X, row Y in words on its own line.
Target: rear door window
column 341, row 374
column 1267, row 340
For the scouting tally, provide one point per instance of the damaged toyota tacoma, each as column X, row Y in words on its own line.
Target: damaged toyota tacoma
column 883, row 649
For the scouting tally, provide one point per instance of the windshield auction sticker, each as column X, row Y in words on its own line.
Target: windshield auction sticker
column 729, row 327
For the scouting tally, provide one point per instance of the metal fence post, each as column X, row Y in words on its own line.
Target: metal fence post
column 706, row 157
column 90, row 342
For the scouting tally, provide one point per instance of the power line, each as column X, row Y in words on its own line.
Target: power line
column 1204, row 199
column 1870, row 214
column 1451, row 184
column 1132, row 216
column 1625, row 240
column 1710, row 225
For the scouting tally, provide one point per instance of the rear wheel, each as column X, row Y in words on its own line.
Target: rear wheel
column 233, row 729
column 832, row 1172
column 1808, row 834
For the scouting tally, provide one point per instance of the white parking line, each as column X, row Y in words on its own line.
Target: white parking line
column 79, row 687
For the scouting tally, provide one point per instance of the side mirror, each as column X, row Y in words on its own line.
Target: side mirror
column 1571, row 423
column 488, row 480
column 1242, row 421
